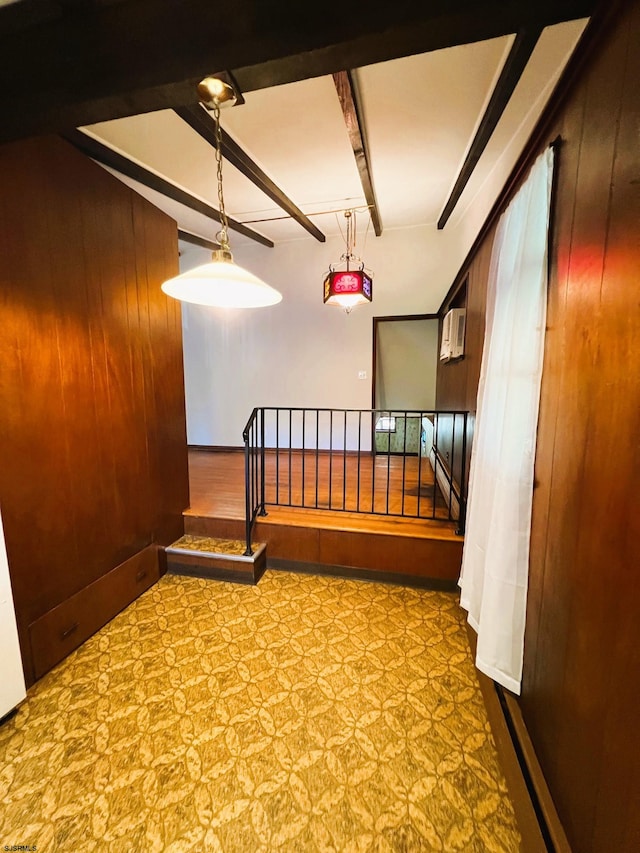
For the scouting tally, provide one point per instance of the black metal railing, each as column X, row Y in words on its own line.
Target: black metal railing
column 254, row 473
column 401, row 463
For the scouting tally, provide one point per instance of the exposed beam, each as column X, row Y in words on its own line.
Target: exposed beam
column 511, row 73
column 355, row 128
column 108, row 157
column 89, row 62
column 187, row 237
column 198, row 119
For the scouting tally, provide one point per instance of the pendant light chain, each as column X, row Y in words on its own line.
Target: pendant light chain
column 350, row 216
column 223, row 234
column 221, row 283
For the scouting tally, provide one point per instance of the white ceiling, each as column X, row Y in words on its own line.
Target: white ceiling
column 420, row 115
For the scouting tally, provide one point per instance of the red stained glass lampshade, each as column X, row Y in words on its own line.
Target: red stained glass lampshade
column 348, row 288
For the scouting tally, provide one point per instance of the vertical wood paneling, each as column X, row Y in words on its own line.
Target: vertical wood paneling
column 570, row 543
column 476, row 310
column 579, row 694
column 164, row 315
column 457, row 381
column 137, row 309
column 93, row 462
column 610, row 609
column 77, row 439
column 550, row 643
column 34, row 464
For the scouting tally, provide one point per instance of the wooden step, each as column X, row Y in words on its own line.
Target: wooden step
column 405, row 551
column 216, row 559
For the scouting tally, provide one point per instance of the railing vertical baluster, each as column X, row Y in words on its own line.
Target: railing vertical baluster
column 248, row 519
column 304, row 412
column 251, row 462
column 359, row 447
column 436, row 462
column 290, row 442
column 254, row 484
column 404, row 460
column 330, row 454
column 344, row 462
column 451, row 464
column 421, row 418
column 373, row 460
column 263, row 511
column 255, row 461
column 251, row 453
column 317, row 451
column 277, row 456
column 389, row 463
column 462, row 514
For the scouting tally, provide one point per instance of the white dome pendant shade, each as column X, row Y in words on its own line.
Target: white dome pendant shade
column 221, row 284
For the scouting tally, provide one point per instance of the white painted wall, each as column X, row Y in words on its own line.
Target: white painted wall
column 301, row 352
column 406, row 364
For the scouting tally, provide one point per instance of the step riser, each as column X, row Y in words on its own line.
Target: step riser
column 407, row 559
column 216, row 558
column 440, row 584
column 217, row 569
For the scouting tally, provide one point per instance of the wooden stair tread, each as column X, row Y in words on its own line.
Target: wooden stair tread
column 354, row 522
column 421, row 528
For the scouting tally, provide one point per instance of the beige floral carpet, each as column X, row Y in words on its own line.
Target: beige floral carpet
column 304, row 714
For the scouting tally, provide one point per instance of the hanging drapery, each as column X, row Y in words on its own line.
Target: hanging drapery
column 495, row 563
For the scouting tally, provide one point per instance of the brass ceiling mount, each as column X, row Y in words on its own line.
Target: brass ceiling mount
column 220, row 90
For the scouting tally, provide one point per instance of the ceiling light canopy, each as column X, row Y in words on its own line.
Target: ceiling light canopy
column 348, row 288
column 220, row 283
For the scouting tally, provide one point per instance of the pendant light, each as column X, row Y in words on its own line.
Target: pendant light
column 348, row 287
column 220, row 283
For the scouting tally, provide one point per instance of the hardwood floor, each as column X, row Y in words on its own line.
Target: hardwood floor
column 343, row 483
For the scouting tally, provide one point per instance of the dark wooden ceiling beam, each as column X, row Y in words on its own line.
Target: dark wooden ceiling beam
column 511, row 73
column 89, row 62
column 108, row 157
column 198, row 119
column 187, row 237
column 352, row 113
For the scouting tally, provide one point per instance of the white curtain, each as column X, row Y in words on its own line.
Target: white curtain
column 495, row 562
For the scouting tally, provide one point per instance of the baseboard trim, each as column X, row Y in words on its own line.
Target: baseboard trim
column 224, row 448
column 356, row 573
column 451, row 497
column 557, row 840
column 217, row 448
column 536, row 815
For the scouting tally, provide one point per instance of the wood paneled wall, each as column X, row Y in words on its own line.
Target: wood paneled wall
column 580, row 698
column 457, row 381
column 93, row 456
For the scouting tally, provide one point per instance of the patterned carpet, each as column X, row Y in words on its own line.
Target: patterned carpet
column 304, row 714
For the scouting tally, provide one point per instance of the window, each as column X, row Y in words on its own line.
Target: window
column 386, row 423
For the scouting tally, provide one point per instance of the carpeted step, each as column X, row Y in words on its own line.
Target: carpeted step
column 216, row 559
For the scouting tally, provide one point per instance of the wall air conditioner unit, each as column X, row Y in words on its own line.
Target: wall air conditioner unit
column 452, row 345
